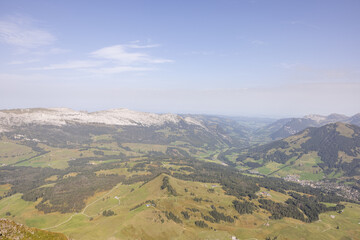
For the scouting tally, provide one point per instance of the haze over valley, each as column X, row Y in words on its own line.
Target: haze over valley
column 218, row 120
column 62, row 167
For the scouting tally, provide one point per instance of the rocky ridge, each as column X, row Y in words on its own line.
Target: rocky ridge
column 63, row 116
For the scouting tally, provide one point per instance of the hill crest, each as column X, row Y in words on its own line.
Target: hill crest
column 286, row 127
column 330, row 151
column 63, row 116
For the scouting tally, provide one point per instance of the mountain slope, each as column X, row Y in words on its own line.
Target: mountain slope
column 167, row 207
column 230, row 129
column 288, row 126
column 329, row 151
column 14, row 231
column 62, row 116
column 355, row 120
column 97, row 181
column 62, row 126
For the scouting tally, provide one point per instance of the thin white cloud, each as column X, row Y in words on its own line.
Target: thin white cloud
column 203, row 53
column 112, row 60
column 20, row 34
column 72, row 65
column 142, row 46
column 19, row 62
column 51, row 51
column 124, row 55
column 118, row 53
column 121, row 69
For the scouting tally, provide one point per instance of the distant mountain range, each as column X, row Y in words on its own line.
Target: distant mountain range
column 122, row 174
column 63, row 116
column 195, row 129
column 286, row 127
column 60, row 126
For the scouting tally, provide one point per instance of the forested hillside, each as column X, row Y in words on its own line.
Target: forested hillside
column 196, row 180
column 331, row 151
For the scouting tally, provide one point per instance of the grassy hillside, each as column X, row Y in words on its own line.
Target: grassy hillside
column 284, row 128
column 331, row 151
column 148, row 211
column 10, row 230
column 99, row 184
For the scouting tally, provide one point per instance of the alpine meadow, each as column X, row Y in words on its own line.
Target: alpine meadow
column 218, row 120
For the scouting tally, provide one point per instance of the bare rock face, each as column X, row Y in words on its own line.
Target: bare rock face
column 63, row 116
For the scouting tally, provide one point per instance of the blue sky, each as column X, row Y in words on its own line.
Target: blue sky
column 255, row 58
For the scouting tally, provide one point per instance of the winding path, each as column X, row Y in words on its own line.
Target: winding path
column 83, row 211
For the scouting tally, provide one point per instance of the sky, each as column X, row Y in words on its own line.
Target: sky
column 275, row 58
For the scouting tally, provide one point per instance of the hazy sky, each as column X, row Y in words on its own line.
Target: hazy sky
column 256, row 57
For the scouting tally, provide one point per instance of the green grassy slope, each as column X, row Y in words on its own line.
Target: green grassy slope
column 10, row 230
column 141, row 213
column 106, row 188
column 331, row 151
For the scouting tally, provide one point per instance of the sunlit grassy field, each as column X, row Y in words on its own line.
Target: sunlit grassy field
column 145, row 222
